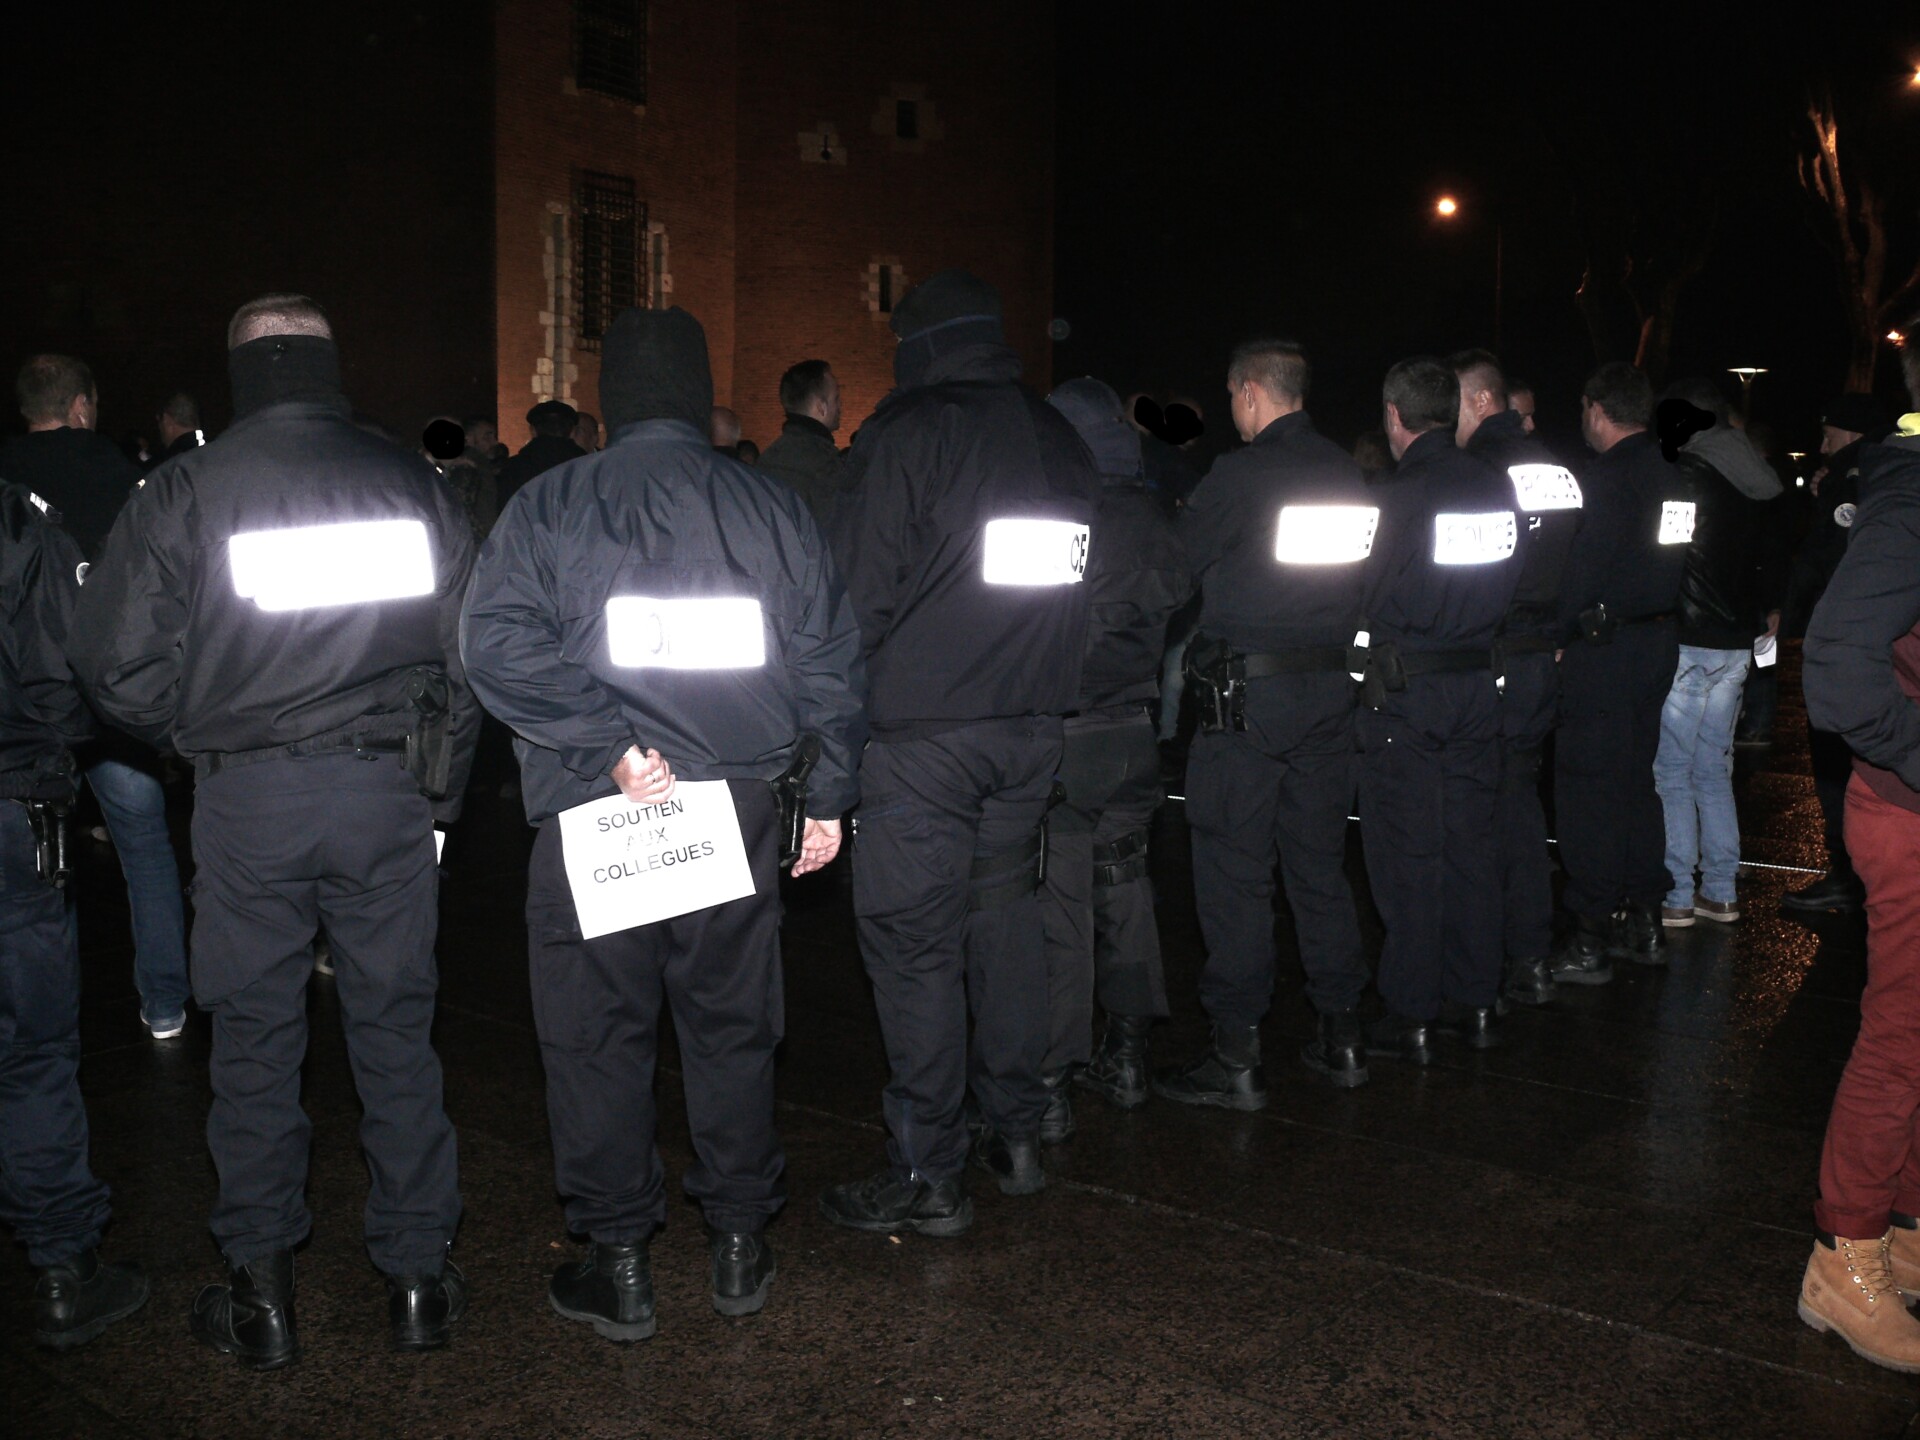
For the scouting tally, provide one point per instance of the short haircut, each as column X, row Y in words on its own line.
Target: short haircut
column 1480, row 370
column 555, row 424
column 1278, row 367
column 48, row 385
column 1425, row 393
column 1623, row 394
column 1703, row 394
column 183, row 410
column 803, row 383
column 277, row 315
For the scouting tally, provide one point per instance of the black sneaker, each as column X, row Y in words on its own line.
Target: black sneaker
column 1837, row 890
column 423, row 1309
column 1529, row 981
column 609, row 1288
column 1401, row 1038
column 1229, row 1075
column 1582, row 959
column 1056, row 1121
column 1479, row 1027
column 1637, row 935
column 251, row 1317
column 887, row 1203
column 1118, row 1069
column 74, row 1301
column 1014, row 1163
column 741, row 1271
column 1338, row 1052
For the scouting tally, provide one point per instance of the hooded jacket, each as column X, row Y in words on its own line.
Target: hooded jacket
column 1726, row 586
column 41, row 712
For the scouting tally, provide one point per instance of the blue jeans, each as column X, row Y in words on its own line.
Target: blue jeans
column 135, row 808
column 1693, row 772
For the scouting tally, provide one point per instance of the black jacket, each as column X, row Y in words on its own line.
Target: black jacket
column 169, row 649
column 806, row 458
column 1549, row 501
column 1724, row 595
column 1415, row 601
column 182, row 444
column 1631, row 549
column 1829, row 523
column 660, row 514
column 41, row 712
column 80, row 473
column 1862, row 665
column 1136, row 578
column 1250, row 597
column 536, row 457
column 932, row 470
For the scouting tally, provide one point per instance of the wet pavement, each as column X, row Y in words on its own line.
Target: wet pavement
column 1596, row 1231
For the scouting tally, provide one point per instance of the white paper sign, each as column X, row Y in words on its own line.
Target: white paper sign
column 631, row 864
column 1766, row 650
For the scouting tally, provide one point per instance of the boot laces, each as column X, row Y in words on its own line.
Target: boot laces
column 1870, row 1264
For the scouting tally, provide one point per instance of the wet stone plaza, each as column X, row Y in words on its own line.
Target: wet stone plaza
column 1596, row 1231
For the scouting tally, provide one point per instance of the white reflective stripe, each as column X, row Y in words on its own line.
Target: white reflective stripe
column 689, row 632
column 1544, row 487
column 317, row 565
column 1676, row 522
column 1035, row 552
column 46, row 509
column 1474, row 539
column 1325, row 534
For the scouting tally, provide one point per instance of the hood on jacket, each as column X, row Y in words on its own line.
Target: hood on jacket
column 947, row 311
column 1730, row 452
column 653, row 366
column 1094, row 409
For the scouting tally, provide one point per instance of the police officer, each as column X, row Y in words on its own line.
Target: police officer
column 1622, row 590
column 1097, row 902
column 1278, row 534
column 963, row 537
column 1443, row 575
column 653, row 614
column 48, row 1193
column 280, row 608
column 1548, row 499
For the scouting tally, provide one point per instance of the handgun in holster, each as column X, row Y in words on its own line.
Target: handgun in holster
column 1219, row 678
column 790, row 792
column 430, row 741
column 1598, row 625
column 48, row 820
column 1056, row 797
column 1385, row 674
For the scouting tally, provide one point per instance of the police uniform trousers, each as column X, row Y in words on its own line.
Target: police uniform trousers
column 1282, row 787
column 49, row 1196
column 280, row 847
column 598, row 1005
column 1612, row 830
column 1429, row 781
column 1529, row 711
column 1097, row 903
column 945, row 865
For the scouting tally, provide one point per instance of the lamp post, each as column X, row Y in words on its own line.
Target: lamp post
column 1447, row 208
column 1746, row 374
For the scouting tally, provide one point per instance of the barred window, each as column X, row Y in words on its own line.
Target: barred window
column 610, row 47
column 609, row 253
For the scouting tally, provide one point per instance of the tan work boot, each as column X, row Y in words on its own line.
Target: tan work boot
column 1903, row 1253
column 1848, row 1288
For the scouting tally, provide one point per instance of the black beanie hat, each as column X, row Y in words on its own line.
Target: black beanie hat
column 1856, row 412
column 653, row 366
column 942, row 298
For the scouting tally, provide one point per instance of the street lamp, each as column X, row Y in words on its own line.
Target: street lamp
column 1446, row 207
column 1746, row 374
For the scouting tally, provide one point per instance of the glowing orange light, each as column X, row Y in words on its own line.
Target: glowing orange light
column 1446, row 207
column 1913, row 80
column 1896, row 337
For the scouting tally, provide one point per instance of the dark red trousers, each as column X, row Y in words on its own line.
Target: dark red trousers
column 1871, row 1163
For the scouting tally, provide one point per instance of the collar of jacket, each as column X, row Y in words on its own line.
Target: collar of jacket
column 660, row 429
column 1293, row 423
column 1501, row 425
column 1428, row 445
column 984, row 362
column 806, row 425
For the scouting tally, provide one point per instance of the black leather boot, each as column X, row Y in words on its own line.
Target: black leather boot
column 1229, row 1075
column 1056, row 1121
column 887, row 1203
column 1015, row 1162
column 742, row 1271
column 1479, row 1027
column 1118, row 1070
column 1637, row 935
column 251, row 1317
column 77, row 1299
column 1402, row 1038
column 1838, row 890
column 1338, row 1053
column 1529, row 981
column 1582, row 957
column 423, row 1309
column 610, row 1288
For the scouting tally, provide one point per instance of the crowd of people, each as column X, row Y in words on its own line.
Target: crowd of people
column 962, row 637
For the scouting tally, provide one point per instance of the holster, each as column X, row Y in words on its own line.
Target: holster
column 790, row 793
column 1122, row 860
column 1385, row 674
column 430, row 741
column 1598, row 625
column 1219, row 680
column 48, row 821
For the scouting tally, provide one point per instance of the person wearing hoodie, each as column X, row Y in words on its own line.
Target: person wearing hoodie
column 1862, row 680
column 1728, row 599
column 963, row 535
column 654, row 614
column 280, row 608
column 1097, row 901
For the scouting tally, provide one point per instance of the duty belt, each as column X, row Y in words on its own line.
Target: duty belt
column 1447, row 662
column 1301, row 660
column 1510, row 645
column 213, row 764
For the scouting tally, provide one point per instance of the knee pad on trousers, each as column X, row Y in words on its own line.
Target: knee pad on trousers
column 1005, row 876
column 1122, row 861
column 1519, row 771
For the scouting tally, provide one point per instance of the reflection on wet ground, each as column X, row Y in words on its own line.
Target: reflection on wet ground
column 1596, row 1231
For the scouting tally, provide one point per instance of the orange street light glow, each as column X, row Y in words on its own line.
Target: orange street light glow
column 1446, row 206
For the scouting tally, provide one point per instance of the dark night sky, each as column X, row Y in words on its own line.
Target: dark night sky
column 1240, row 171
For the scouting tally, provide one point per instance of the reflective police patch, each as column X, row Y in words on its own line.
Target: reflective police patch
column 1325, row 534
column 1843, row 515
column 1035, row 552
column 1544, row 487
column 310, row 567
column 1474, row 539
column 1676, row 522
column 688, row 632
